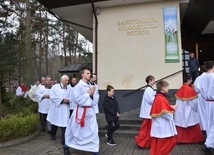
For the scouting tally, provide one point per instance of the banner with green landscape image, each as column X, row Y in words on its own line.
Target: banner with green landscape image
column 171, row 34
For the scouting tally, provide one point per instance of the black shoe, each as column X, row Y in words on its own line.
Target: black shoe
column 206, row 150
column 106, row 135
column 143, row 148
column 111, row 143
column 66, row 151
column 139, row 147
column 53, row 138
column 202, row 142
column 178, row 143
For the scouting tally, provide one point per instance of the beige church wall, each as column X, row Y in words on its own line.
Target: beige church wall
column 124, row 58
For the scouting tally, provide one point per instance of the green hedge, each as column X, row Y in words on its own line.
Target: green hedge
column 20, row 118
column 15, row 105
column 18, row 125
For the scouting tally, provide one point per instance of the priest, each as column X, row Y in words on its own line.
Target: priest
column 58, row 115
column 43, row 97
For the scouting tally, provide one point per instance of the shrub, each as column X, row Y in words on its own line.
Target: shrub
column 20, row 117
column 16, row 105
column 18, row 125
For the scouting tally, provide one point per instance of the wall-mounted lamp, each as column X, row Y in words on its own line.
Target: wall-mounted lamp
column 98, row 10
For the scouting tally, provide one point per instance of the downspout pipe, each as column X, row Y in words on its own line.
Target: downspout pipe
column 96, row 35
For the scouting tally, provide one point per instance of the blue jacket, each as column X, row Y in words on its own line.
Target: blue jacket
column 193, row 65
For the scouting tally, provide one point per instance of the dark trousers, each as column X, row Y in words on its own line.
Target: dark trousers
column 54, row 130
column 194, row 75
column 112, row 129
column 44, row 123
column 71, row 111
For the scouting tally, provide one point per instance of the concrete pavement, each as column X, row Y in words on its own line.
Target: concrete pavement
column 42, row 145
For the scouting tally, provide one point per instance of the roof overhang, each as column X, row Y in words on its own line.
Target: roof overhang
column 80, row 12
column 75, row 68
column 199, row 18
column 196, row 16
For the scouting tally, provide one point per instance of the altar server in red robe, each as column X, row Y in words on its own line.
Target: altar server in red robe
column 186, row 115
column 163, row 129
column 143, row 139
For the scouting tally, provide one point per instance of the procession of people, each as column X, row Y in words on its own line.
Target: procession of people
column 69, row 106
column 73, row 108
column 189, row 120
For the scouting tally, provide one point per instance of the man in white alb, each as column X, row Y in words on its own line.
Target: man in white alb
column 72, row 85
column 32, row 92
column 59, row 112
column 93, row 82
column 201, row 101
column 43, row 97
column 207, row 85
column 82, row 130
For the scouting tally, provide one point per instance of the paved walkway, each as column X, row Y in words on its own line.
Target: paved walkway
column 42, row 145
column 126, row 146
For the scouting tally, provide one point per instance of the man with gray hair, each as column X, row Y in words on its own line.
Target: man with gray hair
column 58, row 115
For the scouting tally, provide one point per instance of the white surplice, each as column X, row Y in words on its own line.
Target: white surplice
column 19, row 91
column 163, row 126
column 147, row 100
column 187, row 113
column 201, row 103
column 72, row 103
column 83, row 138
column 32, row 93
column 96, row 100
column 207, row 87
column 43, row 103
column 59, row 112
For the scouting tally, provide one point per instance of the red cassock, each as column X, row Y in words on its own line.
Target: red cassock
column 143, row 139
column 191, row 133
column 24, row 88
column 162, row 145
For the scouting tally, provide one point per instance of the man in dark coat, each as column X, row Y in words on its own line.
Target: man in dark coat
column 193, row 67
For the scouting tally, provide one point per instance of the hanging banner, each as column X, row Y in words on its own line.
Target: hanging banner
column 171, row 34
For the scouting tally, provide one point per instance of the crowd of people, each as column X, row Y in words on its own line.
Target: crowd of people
column 73, row 107
column 189, row 120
